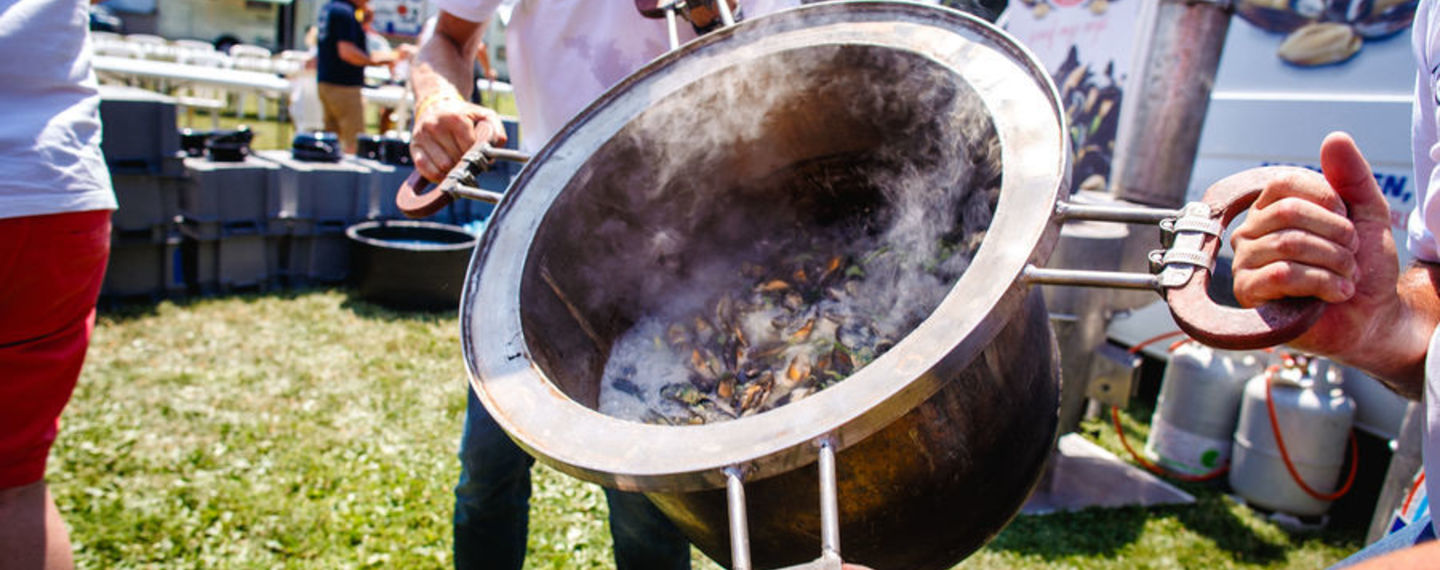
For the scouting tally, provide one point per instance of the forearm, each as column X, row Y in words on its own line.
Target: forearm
column 355, row 56
column 1396, row 340
column 443, row 64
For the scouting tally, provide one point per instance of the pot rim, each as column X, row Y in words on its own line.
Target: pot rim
column 1024, row 106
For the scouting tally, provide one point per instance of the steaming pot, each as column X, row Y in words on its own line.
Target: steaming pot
column 795, row 120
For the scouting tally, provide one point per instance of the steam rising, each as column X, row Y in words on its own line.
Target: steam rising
column 874, row 155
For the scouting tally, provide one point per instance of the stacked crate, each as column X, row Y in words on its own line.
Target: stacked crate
column 318, row 200
column 232, row 222
column 142, row 152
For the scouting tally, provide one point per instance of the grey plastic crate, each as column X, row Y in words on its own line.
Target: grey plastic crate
column 245, row 191
column 202, row 230
column 385, row 179
column 318, row 253
column 379, row 186
column 139, row 131
column 239, row 259
column 143, row 268
column 323, row 191
column 146, row 200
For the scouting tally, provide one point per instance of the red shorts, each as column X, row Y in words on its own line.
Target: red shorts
column 51, row 268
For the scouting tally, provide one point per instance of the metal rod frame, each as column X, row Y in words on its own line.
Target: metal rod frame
column 1085, row 278
column 726, row 18
column 1121, row 214
column 829, row 512
column 739, row 521
column 829, row 503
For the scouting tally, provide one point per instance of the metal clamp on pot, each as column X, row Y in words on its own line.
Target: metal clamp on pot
column 704, row 15
column 1182, row 270
column 459, row 182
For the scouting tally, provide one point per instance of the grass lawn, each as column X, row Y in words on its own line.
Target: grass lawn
column 311, row 430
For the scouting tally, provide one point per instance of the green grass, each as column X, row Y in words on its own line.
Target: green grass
column 311, row 430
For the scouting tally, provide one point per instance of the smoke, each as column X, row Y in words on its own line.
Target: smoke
column 880, row 156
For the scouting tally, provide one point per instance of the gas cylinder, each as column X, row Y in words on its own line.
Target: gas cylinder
column 1314, row 416
column 1199, row 400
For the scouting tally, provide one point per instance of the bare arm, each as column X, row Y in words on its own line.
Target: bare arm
column 1329, row 237
column 353, row 55
column 446, row 124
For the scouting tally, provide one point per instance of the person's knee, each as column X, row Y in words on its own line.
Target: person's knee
column 27, row 498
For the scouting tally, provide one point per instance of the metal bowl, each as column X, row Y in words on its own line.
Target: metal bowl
column 795, row 120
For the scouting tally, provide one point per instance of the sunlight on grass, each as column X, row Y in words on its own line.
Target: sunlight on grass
column 310, row 430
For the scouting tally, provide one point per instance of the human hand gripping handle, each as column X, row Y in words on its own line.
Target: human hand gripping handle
column 1262, row 325
column 446, row 127
column 1325, row 237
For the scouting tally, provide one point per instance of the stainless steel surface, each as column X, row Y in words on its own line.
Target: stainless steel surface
column 1114, row 374
column 507, row 154
column 461, row 190
column 726, row 18
column 672, row 32
column 1111, row 213
column 1166, row 100
column 739, row 522
column 829, row 502
column 1086, row 278
column 1079, row 314
column 940, row 439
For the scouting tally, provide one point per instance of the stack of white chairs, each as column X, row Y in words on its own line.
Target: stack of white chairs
column 152, row 46
column 290, row 62
column 211, row 99
column 114, row 45
column 108, row 44
column 248, row 57
column 193, row 46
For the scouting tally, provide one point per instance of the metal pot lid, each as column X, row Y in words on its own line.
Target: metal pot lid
column 1022, row 103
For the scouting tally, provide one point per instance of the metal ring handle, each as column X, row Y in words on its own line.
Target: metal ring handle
column 457, row 184
column 416, row 205
column 1216, row 325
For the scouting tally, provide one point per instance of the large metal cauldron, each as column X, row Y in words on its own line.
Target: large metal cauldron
column 799, row 119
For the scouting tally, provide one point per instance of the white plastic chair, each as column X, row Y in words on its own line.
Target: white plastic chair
column 193, row 46
column 192, row 97
column 152, row 47
column 290, row 62
column 248, row 57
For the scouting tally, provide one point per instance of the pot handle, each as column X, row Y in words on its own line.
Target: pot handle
column 458, row 183
column 416, row 205
column 1273, row 323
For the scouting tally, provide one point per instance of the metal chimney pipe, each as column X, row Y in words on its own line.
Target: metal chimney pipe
column 1178, row 52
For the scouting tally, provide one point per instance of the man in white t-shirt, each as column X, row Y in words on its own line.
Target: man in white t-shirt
column 1329, row 237
column 562, row 55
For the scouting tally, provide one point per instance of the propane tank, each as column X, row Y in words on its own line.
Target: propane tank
column 1199, row 400
column 1315, row 417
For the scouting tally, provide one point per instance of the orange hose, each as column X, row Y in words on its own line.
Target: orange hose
column 1285, row 455
column 1154, row 339
column 1156, row 469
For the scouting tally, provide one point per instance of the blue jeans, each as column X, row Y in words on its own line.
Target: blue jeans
column 492, row 508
